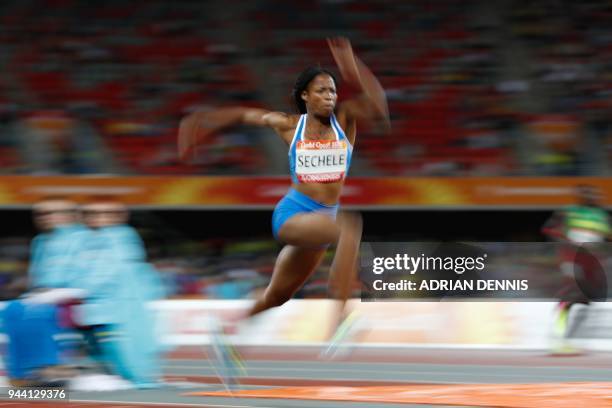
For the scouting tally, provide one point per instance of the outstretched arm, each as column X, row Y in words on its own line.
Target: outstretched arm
column 195, row 128
column 371, row 103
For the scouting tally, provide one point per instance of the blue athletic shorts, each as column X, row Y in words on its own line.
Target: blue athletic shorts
column 294, row 203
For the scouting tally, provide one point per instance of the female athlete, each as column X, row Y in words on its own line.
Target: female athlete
column 320, row 141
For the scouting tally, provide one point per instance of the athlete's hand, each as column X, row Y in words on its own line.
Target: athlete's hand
column 196, row 128
column 187, row 136
column 373, row 103
column 342, row 51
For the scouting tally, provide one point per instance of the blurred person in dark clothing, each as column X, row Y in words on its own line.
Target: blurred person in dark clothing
column 579, row 227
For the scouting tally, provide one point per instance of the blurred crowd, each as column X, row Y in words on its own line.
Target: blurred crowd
column 203, row 260
column 210, row 269
column 513, row 87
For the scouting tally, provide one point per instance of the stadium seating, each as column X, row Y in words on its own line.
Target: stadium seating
column 448, row 69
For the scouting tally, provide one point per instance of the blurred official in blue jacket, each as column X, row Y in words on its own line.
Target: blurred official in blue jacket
column 55, row 251
column 33, row 322
column 121, row 284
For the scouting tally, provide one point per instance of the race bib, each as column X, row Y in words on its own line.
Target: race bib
column 320, row 161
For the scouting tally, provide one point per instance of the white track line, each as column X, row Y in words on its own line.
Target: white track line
column 552, row 375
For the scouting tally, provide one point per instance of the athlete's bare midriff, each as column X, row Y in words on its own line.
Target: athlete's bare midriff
column 325, row 193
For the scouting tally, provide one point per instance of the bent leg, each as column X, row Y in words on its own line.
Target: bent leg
column 344, row 266
column 309, row 230
column 314, row 230
column 293, row 266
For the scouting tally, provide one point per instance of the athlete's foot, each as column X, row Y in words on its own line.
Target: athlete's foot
column 560, row 343
column 566, row 349
column 230, row 362
column 561, row 323
column 342, row 334
column 232, row 326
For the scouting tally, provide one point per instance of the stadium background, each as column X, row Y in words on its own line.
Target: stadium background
column 509, row 92
column 498, row 110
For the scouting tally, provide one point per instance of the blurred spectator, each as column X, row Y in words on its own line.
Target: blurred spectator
column 556, row 145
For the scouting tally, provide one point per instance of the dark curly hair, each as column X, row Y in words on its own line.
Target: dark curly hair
column 302, row 81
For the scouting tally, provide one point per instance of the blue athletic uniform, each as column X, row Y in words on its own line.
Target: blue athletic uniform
column 313, row 161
